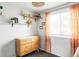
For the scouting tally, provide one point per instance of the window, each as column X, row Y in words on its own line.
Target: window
column 60, row 23
column 54, row 24
column 65, row 23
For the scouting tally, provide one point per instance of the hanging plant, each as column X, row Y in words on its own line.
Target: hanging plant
column 14, row 20
column 29, row 23
column 28, row 16
column 1, row 7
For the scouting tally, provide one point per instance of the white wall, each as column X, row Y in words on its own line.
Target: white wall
column 8, row 33
column 41, row 32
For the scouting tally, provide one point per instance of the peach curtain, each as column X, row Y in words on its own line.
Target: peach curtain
column 47, row 38
column 75, row 27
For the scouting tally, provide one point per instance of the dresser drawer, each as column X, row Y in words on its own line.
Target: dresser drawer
column 34, row 47
column 35, row 38
column 36, row 42
column 25, row 49
column 25, row 41
column 25, row 46
column 24, row 52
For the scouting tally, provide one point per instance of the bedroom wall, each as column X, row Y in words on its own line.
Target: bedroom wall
column 8, row 33
column 41, row 32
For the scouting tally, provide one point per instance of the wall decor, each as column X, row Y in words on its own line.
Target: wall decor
column 43, row 23
column 41, row 27
column 29, row 16
column 34, row 16
column 1, row 7
column 29, row 23
column 14, row 20
column 26, row 15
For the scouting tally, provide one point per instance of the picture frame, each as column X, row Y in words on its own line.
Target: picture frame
column 43, row 23
column 41, row 27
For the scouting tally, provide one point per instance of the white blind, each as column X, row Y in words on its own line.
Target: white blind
column 60, row 23
column 54, row 23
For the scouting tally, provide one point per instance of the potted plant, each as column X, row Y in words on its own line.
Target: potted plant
column 14, row 20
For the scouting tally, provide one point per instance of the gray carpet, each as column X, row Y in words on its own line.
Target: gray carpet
column 40, row 54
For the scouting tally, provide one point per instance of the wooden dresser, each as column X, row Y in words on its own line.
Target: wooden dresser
column 27, row 45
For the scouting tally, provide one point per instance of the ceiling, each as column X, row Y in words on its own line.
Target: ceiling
column 28, row 5
column 38, row 9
